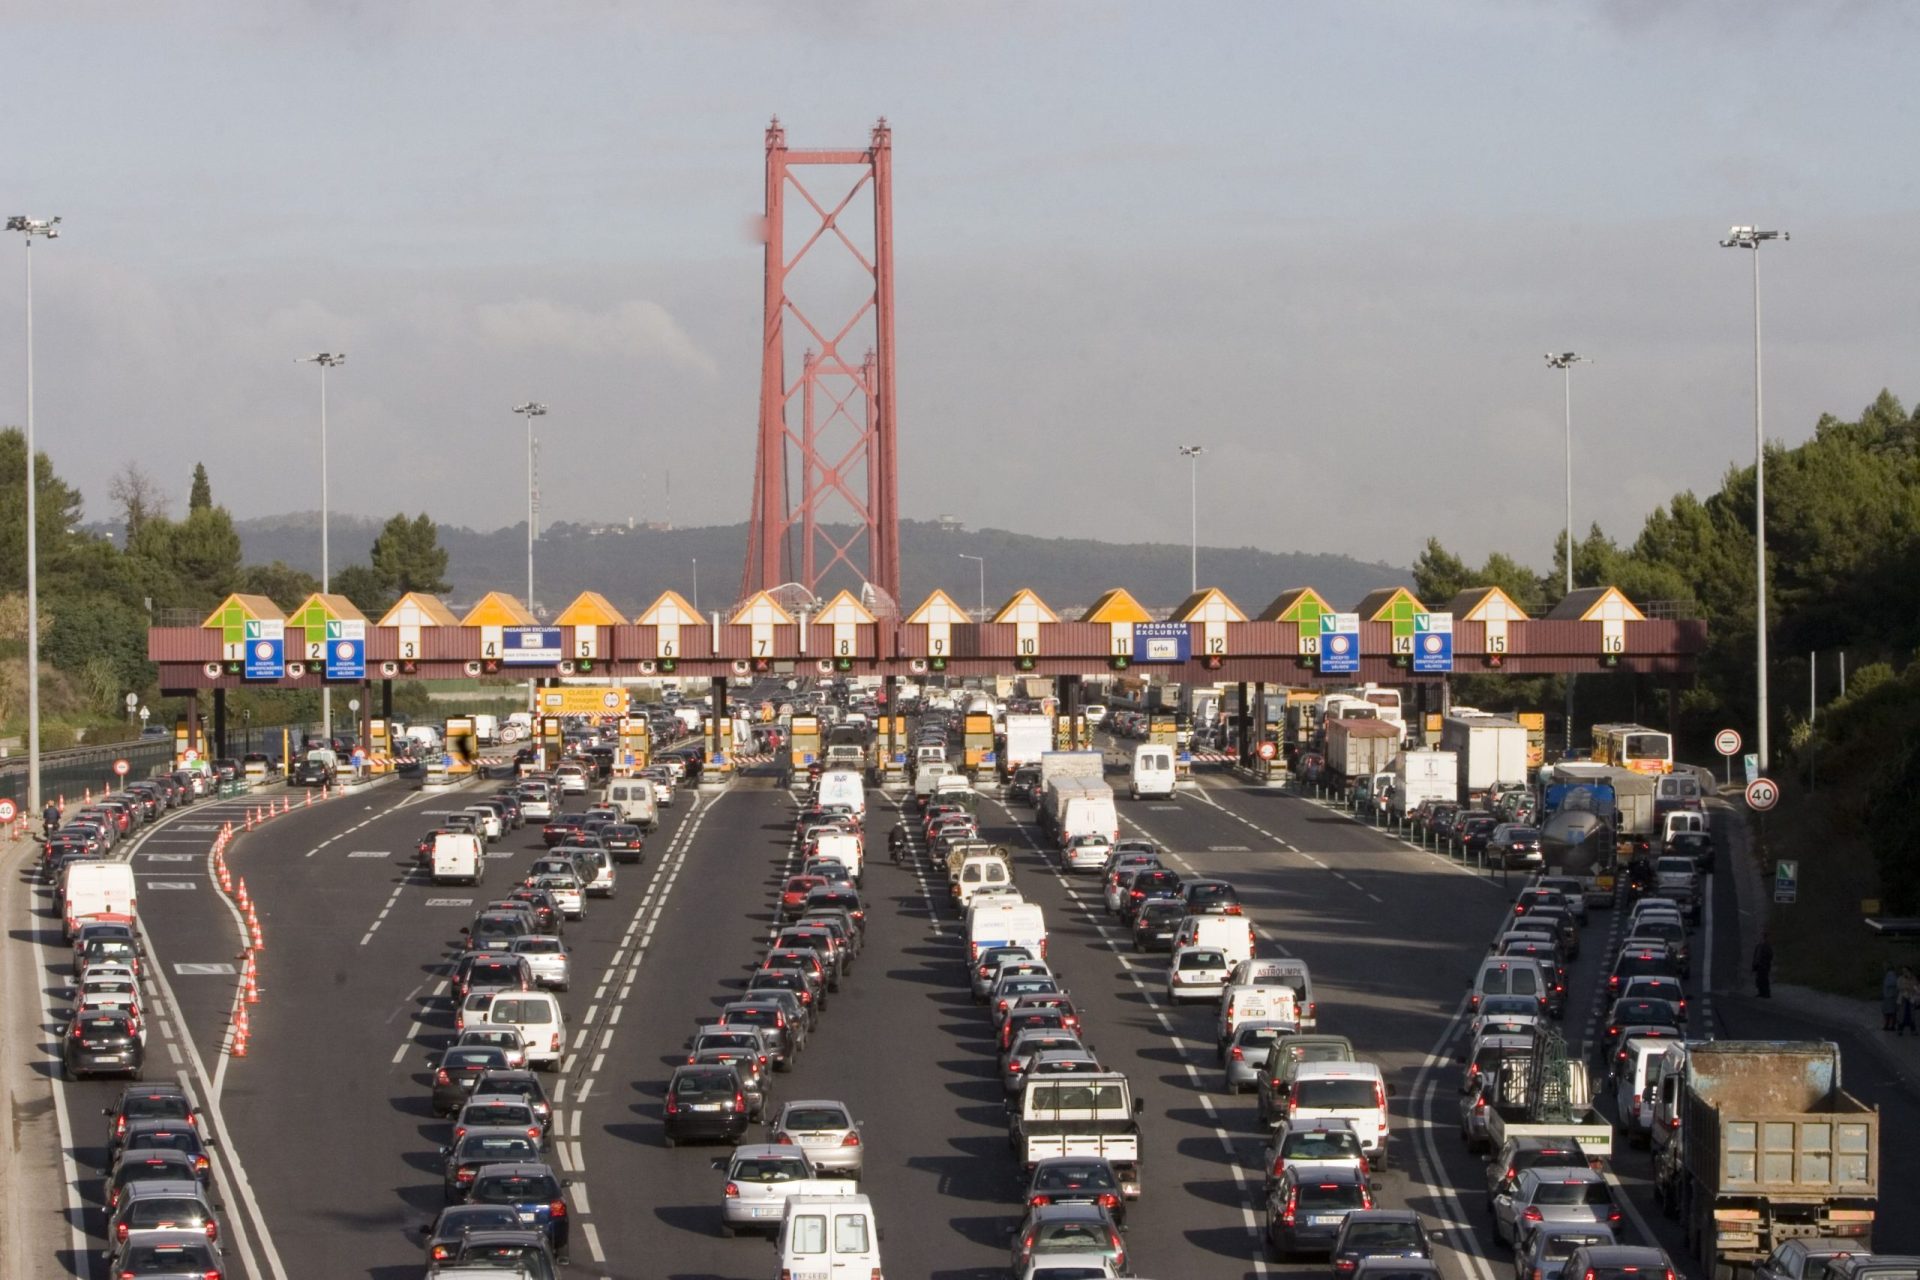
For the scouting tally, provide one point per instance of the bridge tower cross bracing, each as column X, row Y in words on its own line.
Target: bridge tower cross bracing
column 845, row 447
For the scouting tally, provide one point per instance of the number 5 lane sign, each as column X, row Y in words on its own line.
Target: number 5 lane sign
column 1762, row 794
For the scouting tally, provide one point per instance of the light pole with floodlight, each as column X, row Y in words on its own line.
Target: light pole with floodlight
column 530, row 410
column 1192, row 452
column 326, row 360
column 48, row 228
column 1752, row 238
column 1564, row 361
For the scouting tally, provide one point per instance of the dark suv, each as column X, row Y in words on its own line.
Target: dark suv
column 705, row 1101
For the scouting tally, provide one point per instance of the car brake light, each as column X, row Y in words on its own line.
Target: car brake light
column 1293, row 1203
column 1108, row 1200
column 1532, row 1214
column 784, row 1139
column 1238, row 1056
column 441, row 1077
column 851, row 1140
column 1039, row 1199
column 558, row 1209
column 121, row 1231
column 1613, row 1215
column 673, row 1108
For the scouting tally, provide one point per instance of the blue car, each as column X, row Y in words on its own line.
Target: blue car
column 533, row 1192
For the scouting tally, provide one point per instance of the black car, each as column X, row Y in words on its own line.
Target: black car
column 841, row 897
column 705, row 1101
column 1378, row 1233
column 623, row 841
column 534, row 1193
column 1077, row 1180
column 458, row 1070
column 478, row 1149
column 1697, row 845
column 1211, row 897
column 144, row 1137
column 1148, row 885
column 1156, row 923
column 138, row 1102
column 105, row 1042
column 457, row 1221
column 1024, row 785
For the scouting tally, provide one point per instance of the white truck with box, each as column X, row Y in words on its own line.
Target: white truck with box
column 992, row 922
column 99, row 889
column 1029, row 737
column 1491, row 751
column 1420, row 776
column 1093, row 1115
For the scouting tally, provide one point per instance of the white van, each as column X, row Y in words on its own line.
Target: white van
column 1350, row 1091
column 1153, row 772
column 985, row 871
column 1091, row 813
column 843, row 786
column 457, row 855
column 1680, row 820
column 829, row 1238
column 844, row 847
column 541, row 1024
column 636, row 801
column 994, row 923
column 1231, row 935
column 1508, row 976
column 97, row 889
column 1636, row 1095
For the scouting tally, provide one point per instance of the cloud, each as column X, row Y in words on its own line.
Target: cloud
column 635, row 327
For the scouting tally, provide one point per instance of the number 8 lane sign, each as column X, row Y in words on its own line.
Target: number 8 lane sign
column 1762, row 794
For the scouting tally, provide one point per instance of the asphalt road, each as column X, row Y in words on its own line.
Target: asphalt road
column 330, row 1131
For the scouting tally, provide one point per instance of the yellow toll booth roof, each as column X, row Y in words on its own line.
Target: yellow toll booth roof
column 590, row 609
column 498, row 609
column 1117, row 605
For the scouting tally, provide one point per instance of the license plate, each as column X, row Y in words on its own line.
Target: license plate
column 706, row 1106
column 527, row 1217
column 766, row 1210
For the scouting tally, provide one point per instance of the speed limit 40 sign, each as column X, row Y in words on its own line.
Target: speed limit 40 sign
column 1762, row 794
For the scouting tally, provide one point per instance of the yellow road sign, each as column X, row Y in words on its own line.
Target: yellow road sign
column 584, row 700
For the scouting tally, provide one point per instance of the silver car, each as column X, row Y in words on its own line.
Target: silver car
column 826, row 1131
column 165, row 1255
column 1545, row 1198
column 760, row 1177
column 549, row 959
column 1248, row 1049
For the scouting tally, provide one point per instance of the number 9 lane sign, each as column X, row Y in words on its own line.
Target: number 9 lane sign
column 1762, row 794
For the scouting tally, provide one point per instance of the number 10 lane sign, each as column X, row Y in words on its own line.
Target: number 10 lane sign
column 1762, row 795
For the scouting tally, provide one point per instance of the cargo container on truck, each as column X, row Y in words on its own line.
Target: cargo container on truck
column 1420, row 776
column 1028, row 738
column 1357, row 748
column 1767, row 1145
column 1491, row 749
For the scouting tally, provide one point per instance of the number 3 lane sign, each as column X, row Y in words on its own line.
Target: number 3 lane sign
column 1762, row 794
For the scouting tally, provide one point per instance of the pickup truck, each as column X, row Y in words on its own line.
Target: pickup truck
column 1507, row 1114
column 1080, row 1115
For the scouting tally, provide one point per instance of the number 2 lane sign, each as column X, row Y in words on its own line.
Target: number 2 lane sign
column 1762, row 794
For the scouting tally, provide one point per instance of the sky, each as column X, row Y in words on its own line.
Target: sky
column 1328, row 242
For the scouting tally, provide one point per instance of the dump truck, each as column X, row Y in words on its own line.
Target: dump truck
column 1768, row 1146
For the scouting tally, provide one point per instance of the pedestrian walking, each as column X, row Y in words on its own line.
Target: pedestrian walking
column 1763, row 967
column 1889, row 998
column 1909, row 996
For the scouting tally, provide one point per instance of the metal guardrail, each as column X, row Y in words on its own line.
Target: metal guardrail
column 73, row 773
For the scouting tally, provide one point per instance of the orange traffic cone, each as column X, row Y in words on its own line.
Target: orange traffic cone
column 309, row 797
column 241, row 1033
column 253, row 982
column 226, row 877
column 246, row 903
column 253, row 926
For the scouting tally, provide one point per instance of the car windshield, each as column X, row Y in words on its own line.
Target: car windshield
column 1339, row 1095
column 473, row 1059
column 1205, row 895
column 1572, row 1193
column 1203, row 960
column 768, row 1169
column 496, row 1149
column 516, row 1188
column 816, row 1118
column 1383, row 1235
column 1075, row 1176
column 1328, row 1195
column 496, row 1113
column 510, row 1009
column 168, row 1259
column 1321, row 1144
column 1561, row 1244
column 699, row 1083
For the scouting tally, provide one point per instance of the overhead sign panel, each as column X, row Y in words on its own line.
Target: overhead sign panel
column 531, row 646
column 584, row 700
column 1432, row 643
column 266, row 649
column 346, row 655
column 1339, row 643
column 1161, row 642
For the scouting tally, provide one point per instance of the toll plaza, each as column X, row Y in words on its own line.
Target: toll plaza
column 1299, row 640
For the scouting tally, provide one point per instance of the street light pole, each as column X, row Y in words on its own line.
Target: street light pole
column 1751, row 238
column 326, row 360
column 1192, row 452
column 1564, row 361
column 696, row 584
column 530, row 410
column 49, row 228
column 982, row 562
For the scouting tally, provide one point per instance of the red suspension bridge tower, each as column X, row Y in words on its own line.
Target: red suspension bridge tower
column 844, row 523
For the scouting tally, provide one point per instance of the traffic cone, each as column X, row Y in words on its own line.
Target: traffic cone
column 238, row 1048
column 253, row 982
column 226, row 877
column 246, row 904
column 309, row 797
column 253, row 926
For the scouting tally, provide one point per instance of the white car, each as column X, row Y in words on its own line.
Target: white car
column 1197, row 973
column 110, row 992
column 760, row 1177
column 102, row 970
column 489, row 820
column 603, row 882
column 663, row 780
column 506, row 1039
column 572, row 778
column 534, row 804
column 567, row 891
column 549, row 959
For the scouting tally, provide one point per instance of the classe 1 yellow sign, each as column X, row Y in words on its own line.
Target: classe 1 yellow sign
column 584, row 700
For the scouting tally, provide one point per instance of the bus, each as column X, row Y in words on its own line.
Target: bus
column 1633, row 746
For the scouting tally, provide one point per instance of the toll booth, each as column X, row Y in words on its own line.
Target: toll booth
column 721, row 760
column 463, row 746
column 636, row 746
column 1535, row 723
column 891, row 743
column 379, row 747
column 552, row 740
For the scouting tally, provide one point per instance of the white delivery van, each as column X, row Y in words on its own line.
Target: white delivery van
column 636, row 801
column 997, row 923
column 457, row 855
column 829, row 1238
column 1153, row 772
column 981, row 871
column 541, row 1024
column 98, row 889
column 843, row 786
column 1090, row 813
column 1350, row 1091
column 1231, row 935
column 1637, row 1092
column 844, row 847
column 1687, row 820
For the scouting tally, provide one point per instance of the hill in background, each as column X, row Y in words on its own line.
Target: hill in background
column 632, row 566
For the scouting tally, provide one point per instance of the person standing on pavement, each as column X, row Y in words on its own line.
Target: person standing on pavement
column 1909, row 995
column 1889, row 998
column 1763, row 967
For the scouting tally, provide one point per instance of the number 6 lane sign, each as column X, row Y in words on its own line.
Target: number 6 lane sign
column 1762, row 794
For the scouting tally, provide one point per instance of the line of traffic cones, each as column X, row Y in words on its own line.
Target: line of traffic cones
column 250, row 977
column 240, row 1034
